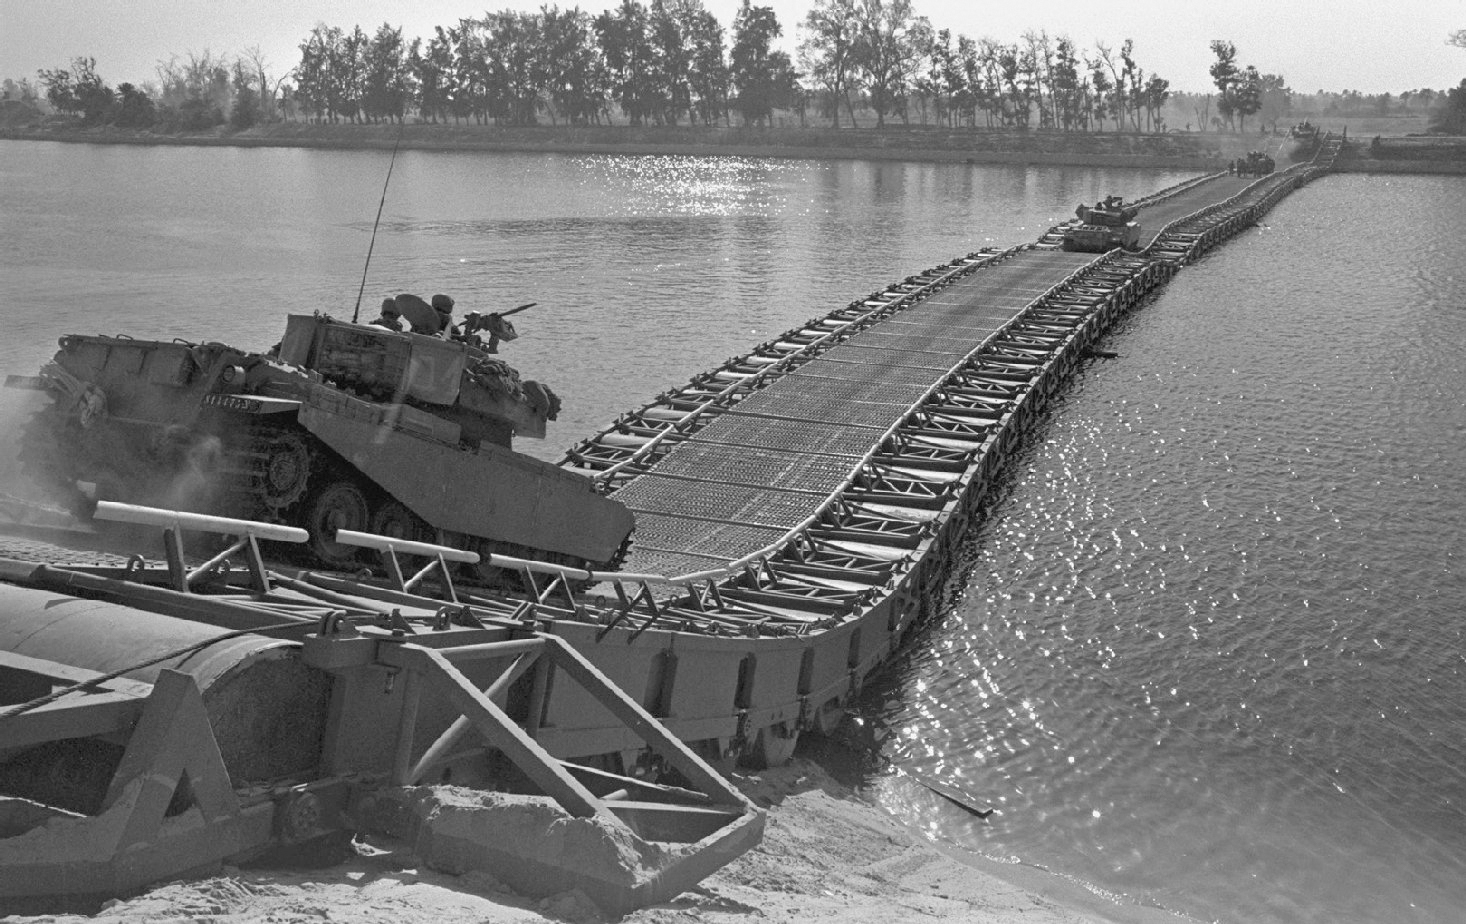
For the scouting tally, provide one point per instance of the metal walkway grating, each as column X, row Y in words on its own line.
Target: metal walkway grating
column 946, row 348
column 872, row 414
column 789, row 435
column 658, row 561
column 790, row 471
column 890, row 374
column 875, row 355
column 730, row 503
column 699, row 537
column 869, row 386
column 971, row 331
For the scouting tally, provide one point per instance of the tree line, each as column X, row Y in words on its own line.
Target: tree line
column 195, row 93
column 666, row 62
column 669, row 62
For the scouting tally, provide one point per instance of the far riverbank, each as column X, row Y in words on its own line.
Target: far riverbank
column 1372, row 146
column 1177, row 150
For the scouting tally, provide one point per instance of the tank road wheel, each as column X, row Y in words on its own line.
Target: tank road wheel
column 287, row 469
column 394, row 520
column 339, row 504
column 486, row 575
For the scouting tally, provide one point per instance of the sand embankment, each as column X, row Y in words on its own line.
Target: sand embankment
column 827, row 855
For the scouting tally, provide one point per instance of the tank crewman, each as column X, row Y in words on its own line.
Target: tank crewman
column 443, row 305
column 390, row 317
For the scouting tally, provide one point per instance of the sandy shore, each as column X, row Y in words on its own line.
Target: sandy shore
column 827, row 855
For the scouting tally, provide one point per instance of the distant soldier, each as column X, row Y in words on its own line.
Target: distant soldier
column 443, row 305
column 390, row 317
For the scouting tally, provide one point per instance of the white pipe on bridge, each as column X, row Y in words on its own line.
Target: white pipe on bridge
column 177, row 519
column 404, row 546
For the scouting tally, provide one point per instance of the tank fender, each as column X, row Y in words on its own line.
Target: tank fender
column 491, row 492
column 251, row 404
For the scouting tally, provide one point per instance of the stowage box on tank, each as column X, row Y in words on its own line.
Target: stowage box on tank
column 350, row 426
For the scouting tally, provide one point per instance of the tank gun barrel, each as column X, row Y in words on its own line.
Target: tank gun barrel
column 476, row 320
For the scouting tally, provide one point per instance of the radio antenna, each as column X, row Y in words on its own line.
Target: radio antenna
column 356, row 312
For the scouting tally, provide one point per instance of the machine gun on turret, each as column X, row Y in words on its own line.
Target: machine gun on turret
column 499, row 329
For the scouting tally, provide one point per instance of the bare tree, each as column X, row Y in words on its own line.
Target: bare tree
column 885, row 49
column 827, row 53
column 1038, row 66
column 1118, row 80
column 269, row 88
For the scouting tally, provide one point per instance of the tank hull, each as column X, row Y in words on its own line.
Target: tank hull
column 1101, row 238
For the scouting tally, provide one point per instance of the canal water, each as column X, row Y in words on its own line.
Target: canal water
column 1207, row 653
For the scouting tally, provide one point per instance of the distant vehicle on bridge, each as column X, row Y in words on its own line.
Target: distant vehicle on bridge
column 1104, row 226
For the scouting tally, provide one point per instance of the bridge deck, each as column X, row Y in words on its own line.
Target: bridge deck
column 1155, row 217
column 767, row 464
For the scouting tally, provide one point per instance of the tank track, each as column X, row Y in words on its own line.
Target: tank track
column 278, row 473
column 245, row 489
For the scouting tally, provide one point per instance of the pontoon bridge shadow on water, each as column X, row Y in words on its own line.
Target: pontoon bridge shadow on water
column 797, row 512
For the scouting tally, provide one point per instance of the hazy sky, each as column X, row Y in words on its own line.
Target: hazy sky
column 1363, row 45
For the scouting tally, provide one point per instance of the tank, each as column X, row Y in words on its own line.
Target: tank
column 340, row 426
column 1104, row 226
column 1256, row 163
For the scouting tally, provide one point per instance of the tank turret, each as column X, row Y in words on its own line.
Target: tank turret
column 1108, row 224
column 343, row 425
